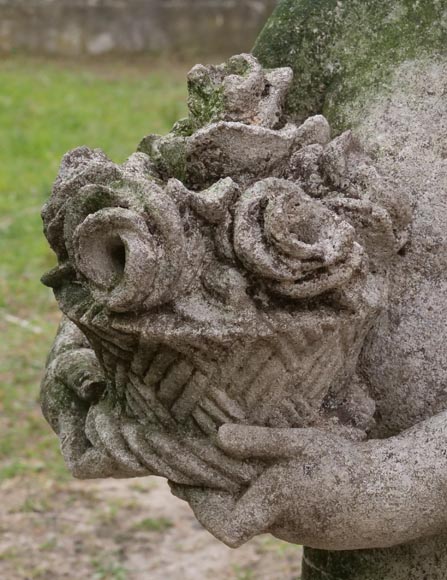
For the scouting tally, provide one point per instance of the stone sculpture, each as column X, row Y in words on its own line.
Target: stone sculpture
column 241, row 301
column 241, row 293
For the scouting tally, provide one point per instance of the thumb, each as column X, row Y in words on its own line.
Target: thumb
column 265, row 442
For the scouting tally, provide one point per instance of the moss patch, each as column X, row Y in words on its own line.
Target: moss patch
column 205, row 102
column 341, row 51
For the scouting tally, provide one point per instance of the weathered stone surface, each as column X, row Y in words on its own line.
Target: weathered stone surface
column 283, row 365
column 240, row 294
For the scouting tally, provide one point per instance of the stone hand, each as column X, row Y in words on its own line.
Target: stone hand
column 72, row 383
column 330, row 493
column 99, row 439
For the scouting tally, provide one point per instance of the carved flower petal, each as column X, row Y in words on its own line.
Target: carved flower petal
column 249, row 236
column 319, row 282
column 284, row 235
column 214, row 203
column 372, row 223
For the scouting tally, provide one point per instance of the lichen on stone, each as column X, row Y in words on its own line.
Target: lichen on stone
column 342, row 50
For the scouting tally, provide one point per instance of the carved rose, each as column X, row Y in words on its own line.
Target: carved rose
column 125, row 241
column 132, row 257
column 299, row 246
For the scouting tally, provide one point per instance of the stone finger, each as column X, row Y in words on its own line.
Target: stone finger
column 146, row 455
column 187, row 462
column 265, row 442
column 110, row 436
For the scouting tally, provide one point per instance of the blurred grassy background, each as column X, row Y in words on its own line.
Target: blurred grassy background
column 47, row 108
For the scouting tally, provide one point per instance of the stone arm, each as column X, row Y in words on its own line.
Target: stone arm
column 329, row 493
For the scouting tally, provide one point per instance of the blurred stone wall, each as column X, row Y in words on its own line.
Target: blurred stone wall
column 76, row 27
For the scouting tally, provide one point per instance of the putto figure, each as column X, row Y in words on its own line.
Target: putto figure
column 227, row 273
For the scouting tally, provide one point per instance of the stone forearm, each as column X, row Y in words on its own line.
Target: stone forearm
column 370, row 495
column 330, row 493
column 405, row 495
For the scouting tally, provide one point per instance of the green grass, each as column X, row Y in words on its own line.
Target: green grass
column 106, row 568
column 243, row 573
column 154, row 525
column 47, row 108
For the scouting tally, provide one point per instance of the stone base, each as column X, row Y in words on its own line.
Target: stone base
column 422, row 560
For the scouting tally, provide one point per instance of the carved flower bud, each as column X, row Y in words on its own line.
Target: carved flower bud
column 346, row 166
column 238, row 90
column 293, row 241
